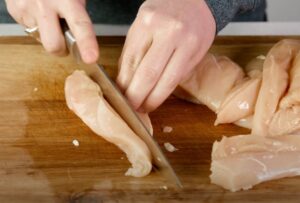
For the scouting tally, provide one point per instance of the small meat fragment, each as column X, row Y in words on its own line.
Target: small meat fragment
column 75, row 143
column 169, row 147
column 240, row 162
column 167, row 129
column 164, row 187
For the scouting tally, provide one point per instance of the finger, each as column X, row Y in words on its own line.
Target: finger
column 50, row 32
column 148, row 72
column 178, row 66
column 135, row 48
column 28, row 21
column 83, row 31
column 17, row 9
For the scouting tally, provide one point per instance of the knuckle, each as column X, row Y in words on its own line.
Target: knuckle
column 146, row 14
column 79, row 25
column 82, row 22
column 178, row 25
column 192, row 39
column 150, row 74
column 177, row 28
column 192, row 42
column 129, row 60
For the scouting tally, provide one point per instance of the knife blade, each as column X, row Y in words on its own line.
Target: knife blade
column 120, row 104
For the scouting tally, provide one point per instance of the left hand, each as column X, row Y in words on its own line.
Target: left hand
column 165, row 42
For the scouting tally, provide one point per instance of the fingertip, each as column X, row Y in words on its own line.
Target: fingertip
column 90, row 56
column 148, row 107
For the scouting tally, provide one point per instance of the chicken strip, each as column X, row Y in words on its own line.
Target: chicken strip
column 240, row 101
column 293, row 96
column 287, row 119
column 85, row 99
column 240, row 162
column 274, row 84
column 212, row 79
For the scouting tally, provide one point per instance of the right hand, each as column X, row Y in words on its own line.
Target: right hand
column 46, row 13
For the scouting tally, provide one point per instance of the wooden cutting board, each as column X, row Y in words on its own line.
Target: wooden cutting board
column 39, row 162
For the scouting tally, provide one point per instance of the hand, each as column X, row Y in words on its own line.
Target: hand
column 165, row 42
column 46, row 13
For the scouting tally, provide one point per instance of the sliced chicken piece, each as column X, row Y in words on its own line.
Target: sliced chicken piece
column 274, row 84
column 212, row 79
column 240, row 101
column 243, row 161
column 85, row 99
column 293, row 96
column 285, row 121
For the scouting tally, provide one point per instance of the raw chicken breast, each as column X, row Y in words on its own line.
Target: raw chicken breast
column 85, row 98
column 274, row 84
column 293, row 96
column 240, row 101
column 287, row 119
column 212, row 79
column 241, row 162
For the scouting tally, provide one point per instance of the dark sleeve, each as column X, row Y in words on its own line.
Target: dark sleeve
column 225, row 10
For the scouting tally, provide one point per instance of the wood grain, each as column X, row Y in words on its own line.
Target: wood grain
column 39, row 163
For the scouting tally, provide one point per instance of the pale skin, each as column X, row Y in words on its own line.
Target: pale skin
column 165, row 42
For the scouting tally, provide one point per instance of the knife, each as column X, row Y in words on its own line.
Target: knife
column 119, row 103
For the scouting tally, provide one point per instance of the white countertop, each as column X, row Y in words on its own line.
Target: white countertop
column 236, row 29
